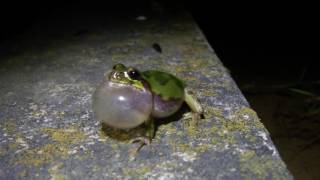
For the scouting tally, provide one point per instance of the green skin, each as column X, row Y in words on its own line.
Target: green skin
column 165, row 85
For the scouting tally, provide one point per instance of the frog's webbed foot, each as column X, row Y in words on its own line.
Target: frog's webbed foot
column 141, row 142
column 195, row 118
column 197, row 111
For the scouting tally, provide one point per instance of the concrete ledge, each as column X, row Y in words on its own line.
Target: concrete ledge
column 46, row 125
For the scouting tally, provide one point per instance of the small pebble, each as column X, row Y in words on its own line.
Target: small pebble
column 157, row 47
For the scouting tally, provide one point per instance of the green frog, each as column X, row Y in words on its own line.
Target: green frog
column 128, row 98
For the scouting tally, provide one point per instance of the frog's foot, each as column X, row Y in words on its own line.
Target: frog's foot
column 141, row 141
column 187, row 115
column 194, row 116
column 193, row 103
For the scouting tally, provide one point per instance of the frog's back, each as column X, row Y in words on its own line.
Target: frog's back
column 168, row 92
column 164, row 84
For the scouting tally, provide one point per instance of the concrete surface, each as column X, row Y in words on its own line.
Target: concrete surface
column 47, row 129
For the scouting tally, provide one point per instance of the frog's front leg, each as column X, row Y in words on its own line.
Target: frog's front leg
column 194, row 105
column 144, row 140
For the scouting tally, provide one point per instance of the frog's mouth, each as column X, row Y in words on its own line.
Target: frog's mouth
column 117, row 76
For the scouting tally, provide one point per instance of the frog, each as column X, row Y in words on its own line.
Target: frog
column 128, row 98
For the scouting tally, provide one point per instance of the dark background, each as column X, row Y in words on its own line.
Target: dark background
column 269, row 47
column 282, row 33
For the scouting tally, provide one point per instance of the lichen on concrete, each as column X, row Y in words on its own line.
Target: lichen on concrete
column 61, row 145
column 48, row 131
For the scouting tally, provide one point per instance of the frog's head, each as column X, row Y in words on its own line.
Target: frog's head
column 121, row 74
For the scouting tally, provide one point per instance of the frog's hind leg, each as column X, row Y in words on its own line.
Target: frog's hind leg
column 194, row 105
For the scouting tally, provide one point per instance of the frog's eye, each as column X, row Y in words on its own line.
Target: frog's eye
column 119, row 67
column 133, row 73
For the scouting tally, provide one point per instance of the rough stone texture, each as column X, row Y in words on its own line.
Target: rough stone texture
column 47, row 129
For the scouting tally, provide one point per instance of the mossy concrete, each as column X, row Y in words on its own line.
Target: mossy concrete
column 47, row 129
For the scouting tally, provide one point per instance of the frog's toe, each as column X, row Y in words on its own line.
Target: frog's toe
column 187, row 115
column 141, row 140
column 194, row 116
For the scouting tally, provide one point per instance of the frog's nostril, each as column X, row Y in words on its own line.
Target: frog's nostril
column 120, row 74
column 112, row 75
